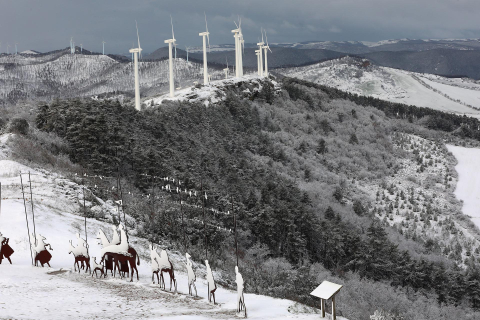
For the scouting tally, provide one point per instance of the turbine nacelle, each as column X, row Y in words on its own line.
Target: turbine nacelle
column 135, row 50
column 203, row 34
column 170, row 41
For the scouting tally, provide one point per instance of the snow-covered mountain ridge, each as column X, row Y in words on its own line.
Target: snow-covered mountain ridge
column 456, row 95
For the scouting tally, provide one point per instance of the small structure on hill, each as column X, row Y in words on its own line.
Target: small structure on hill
column 327, row 290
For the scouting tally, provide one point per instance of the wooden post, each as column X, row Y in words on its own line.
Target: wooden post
column 334, row 315
column 322, row 304
column 26, row 219
column 85, row 217
column 183, row 223
column 33, row 213
column 235, row 230
column 204, row 222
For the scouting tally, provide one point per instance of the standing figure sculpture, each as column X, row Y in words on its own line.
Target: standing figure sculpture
column 240, row 298
column 191, row 276
column 5, row 250
column 42, row 255
column 96, row 266
column 212, row 286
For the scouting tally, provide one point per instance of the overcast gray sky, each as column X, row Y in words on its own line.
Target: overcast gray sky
column 48, row 24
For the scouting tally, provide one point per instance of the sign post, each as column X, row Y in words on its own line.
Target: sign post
column 327, row 290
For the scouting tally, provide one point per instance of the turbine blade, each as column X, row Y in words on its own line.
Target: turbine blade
column 235, row 24
column 138, row 39
column 171, row 22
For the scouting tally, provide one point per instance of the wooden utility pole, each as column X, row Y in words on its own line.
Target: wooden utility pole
column 235, row 229
column 204, row 222
column 33, row 212
column 26, row 219
column 85, row 216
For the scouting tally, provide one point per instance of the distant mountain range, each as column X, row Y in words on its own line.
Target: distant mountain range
column 451, row 58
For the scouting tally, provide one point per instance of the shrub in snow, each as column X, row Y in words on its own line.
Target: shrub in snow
column 18, row 125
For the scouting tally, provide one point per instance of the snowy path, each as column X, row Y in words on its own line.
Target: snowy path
column 28, row 292
column 468, row 187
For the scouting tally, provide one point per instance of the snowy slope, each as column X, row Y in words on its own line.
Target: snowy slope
column 358, row 76
column 42, row 293
column 66, row 76
column 213, row 92
column 468, row 187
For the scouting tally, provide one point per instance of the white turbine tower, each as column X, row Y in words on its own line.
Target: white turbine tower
column 8, row 46
column 187, row 48
column 170, row 60
column 81, row 48
column 16, row 52
column 71, row 45
column 136, row 52
column 257, row 53
column 266, row 48
column 260, row 54
column 205, row 67
column 238, row 49
column 226, row 70
column 103, row 48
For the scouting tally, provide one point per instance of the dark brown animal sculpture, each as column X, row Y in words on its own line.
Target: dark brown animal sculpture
column 96, row 267
column 5, row 250
column 42, row 255
column 119, row 258
column 81, row 257
column 160, row 264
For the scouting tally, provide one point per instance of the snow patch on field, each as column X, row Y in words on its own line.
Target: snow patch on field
column 468, row 187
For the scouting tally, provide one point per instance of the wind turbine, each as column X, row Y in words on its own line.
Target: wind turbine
column 81, row 48
column 103, row 43
column 205, row 68
column 170, row 61
column 226, row 70
column 260, row 60
column 237, row 36
column 16, row 52
column 187, row 48
column 136, row 52
column 257, row 53
column 8, row 46
column 266, row 61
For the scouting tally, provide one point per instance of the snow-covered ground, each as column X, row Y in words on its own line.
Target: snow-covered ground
column 394, row 85
column 28, row 292
column 211, row 93
column 468, row 187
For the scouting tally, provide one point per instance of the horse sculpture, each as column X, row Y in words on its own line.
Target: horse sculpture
column 160, row 264
column 105, row 243
column 80, row 252
column 240, row 298
column 96, row 267
column 5, row 250
column 42, row 255
column 191, row 276
column 122, row 253
column 212, row 286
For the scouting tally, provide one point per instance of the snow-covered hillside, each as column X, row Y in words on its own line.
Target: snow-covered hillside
column 213, row 92
column 44, row 77
column 57, row 293
column 459, row 96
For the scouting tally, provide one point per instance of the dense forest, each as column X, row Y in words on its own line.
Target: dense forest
column 241, row 152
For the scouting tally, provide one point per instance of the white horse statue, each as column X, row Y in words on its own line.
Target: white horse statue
column 240, row 297
column 191, row 276
column 160, row 264
column 118, row 248
column 211, row 283
column 40, row 248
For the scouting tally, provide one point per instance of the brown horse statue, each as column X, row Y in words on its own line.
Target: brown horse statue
column 42, row 255
column 160, row 264
column 96, row 267
column 81, row 257
column 5, row 250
